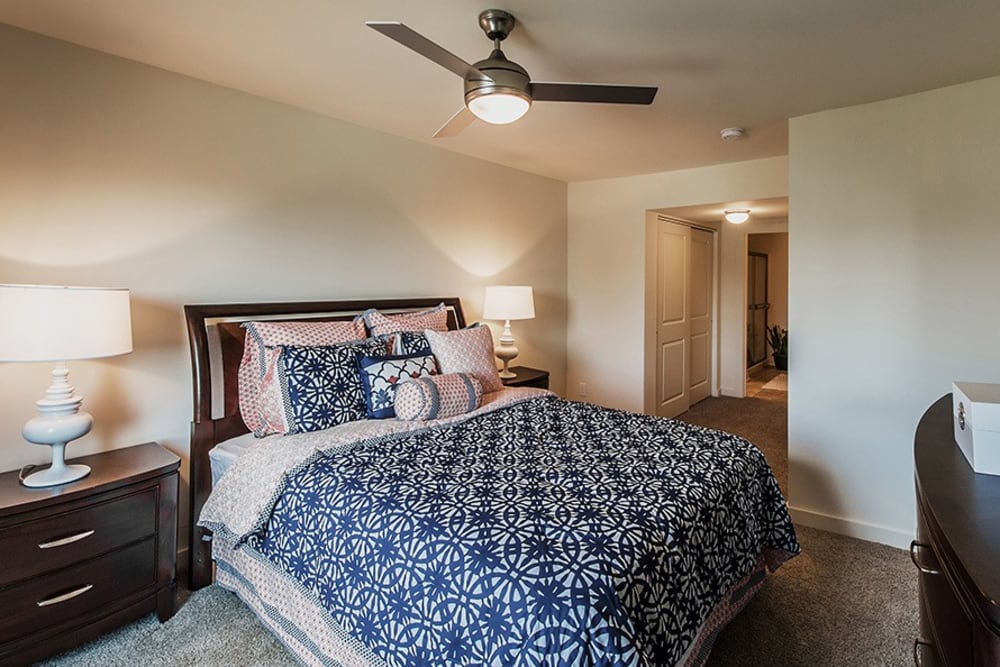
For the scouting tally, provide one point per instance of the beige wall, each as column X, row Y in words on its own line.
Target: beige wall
column 893, row 275
column 114, row 173
column 775, row 246
column 607, row 264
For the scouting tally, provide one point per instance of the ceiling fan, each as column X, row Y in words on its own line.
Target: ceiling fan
column 498, row 90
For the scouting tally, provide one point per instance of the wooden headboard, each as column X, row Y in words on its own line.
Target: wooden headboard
column 215, row 336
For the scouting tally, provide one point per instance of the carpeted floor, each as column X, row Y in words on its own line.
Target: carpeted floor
column 841, row 602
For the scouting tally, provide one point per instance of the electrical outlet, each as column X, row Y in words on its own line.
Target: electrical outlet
column 583, row 390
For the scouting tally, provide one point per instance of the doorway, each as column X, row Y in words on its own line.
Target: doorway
column 774, row 247
column 684, row 306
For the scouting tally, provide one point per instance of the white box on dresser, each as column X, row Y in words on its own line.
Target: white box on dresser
column 976, row 412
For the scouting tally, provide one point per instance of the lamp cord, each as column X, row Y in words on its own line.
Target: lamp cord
column 27, row 470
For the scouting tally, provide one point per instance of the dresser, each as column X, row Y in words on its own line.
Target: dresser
column 82, row 558
column 956, row 551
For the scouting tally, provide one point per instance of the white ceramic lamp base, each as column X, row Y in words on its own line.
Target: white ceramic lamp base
column 57, row 473
column 506, row 351
column 59, row 421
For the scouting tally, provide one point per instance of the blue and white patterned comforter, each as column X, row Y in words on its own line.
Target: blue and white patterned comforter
column 545, row 532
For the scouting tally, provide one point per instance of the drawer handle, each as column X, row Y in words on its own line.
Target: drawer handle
column 65, row 596
column 66, row 540
column 914, row 546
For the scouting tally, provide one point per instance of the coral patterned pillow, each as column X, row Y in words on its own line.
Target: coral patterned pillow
column 438, row 396
column 380, row 376
column 467, row 351
column 257, row 358
column 380, row 324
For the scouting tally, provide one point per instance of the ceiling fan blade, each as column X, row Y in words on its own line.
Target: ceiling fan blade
column 544, row 91
column 412, row 39
column 462, row 119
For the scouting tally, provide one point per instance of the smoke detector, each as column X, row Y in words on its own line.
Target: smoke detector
column 733, row 133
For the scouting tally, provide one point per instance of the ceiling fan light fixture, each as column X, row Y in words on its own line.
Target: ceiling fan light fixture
column 499, row 107
column 498, row 90
column 737, row 216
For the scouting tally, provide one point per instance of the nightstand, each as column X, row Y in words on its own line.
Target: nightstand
column 82, row 558
column 528, row 377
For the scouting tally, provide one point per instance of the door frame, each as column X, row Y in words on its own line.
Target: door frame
column 649, row 305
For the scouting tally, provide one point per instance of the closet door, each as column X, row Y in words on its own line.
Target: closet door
column 683, row 317
column 700, row 315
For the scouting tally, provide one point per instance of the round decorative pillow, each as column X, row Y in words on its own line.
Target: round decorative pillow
column 438, row 396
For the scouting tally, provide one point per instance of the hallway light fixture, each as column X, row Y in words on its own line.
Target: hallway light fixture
column 737, row 216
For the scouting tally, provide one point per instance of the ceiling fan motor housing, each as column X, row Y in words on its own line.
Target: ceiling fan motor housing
column 507, row 77
column 497, row 24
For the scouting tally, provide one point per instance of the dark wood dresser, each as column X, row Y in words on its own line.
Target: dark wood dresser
column 79, row 559
column 957, row 550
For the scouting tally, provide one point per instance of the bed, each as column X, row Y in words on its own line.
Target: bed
column 529, row 530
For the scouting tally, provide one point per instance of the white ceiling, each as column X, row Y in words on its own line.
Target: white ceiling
column 718, row 63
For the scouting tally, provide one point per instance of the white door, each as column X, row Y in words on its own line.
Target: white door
column 683, row 317
column 700, row 315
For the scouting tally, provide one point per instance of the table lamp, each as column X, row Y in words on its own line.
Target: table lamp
column 508, row 302
column 60, row 324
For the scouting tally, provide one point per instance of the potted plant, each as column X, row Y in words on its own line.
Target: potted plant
column 777, row 340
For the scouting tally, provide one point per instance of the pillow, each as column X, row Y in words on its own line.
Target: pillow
column 255, row 361
column 380, row 376
column 310, row 388
column 467, row 351
column 410, row 342
column 438, row 396
column 379, row 323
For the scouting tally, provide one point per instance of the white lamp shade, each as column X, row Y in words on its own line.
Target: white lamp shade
column 508, row 302
column 54, row 323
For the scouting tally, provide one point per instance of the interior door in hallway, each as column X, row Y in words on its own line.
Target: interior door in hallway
column 683, row 317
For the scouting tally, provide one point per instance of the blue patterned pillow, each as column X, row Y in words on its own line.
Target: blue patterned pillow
column 322, row 387
column 381, row 375
column 410, row 342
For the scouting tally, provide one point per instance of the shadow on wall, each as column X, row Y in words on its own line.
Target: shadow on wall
column 157, row 327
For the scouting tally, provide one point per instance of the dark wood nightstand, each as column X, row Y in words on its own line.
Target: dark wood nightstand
column 528, row 377
column 82, row 558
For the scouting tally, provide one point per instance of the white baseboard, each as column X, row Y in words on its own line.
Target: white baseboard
column 863, row 531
